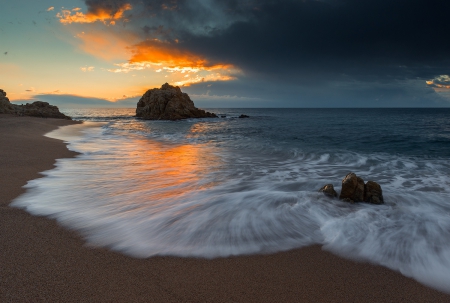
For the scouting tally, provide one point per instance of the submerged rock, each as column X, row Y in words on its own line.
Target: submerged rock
column 244, row 116
column 35, row 109
column 168, row 103
column 328, row 190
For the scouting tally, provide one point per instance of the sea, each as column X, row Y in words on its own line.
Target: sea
column 229, row 186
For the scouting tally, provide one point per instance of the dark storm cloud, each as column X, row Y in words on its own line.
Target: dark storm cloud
column 367, row 39
column 316, row 39
column 97, row 6
column 196, row 17
column 398, row 93
column 333, row 45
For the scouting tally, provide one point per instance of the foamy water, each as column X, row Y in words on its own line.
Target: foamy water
column 231, row 186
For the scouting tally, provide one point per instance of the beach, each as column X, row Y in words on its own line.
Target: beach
column 42, row 262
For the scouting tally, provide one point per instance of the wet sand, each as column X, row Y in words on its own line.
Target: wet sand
column 42, row 262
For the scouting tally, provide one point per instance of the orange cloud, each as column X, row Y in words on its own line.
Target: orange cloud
column 87, row 68
column 167, row 57
column 107, row 44
column 158, row 52
column 105, row 15
column 185, row 67
column 441, row 82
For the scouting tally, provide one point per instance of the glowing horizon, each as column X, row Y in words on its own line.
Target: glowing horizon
column 232, row 54
column 106, row 60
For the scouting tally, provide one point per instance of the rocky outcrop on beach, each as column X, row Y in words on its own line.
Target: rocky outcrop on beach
column 5, row 106
column 41, row 109
column 354, row 190
column 168, row 103
column 35, row 109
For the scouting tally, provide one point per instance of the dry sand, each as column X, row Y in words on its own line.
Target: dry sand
column 42, row 262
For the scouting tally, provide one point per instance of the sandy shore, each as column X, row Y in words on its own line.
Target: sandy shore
column 42, row 262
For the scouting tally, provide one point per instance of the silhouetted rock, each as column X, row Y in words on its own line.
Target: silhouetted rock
column 373, row 193
column 244, row 116
column 168, row 103
column 42, row 109
column 352, row 188
column 36, row 109
column 5, row 106
column 328, row 190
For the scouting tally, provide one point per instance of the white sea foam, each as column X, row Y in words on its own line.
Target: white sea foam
column 143, row 198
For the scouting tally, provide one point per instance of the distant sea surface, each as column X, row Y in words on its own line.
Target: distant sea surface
column 228, row 186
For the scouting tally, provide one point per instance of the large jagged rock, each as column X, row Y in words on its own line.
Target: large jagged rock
column 168, row 103
column 35, row 109
column 352, row 188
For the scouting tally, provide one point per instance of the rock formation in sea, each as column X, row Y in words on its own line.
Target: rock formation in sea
column 168, row 103
column 35, row 109
column 328, row 190
column 373, row 193
column 354, row 190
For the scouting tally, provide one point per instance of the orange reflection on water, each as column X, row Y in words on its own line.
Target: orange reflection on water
column 199, row 128
column 171, row 171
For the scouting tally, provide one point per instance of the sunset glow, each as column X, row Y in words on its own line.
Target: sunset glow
column 110, row 60
column 107, row 16
column 172, row 171
column 105, row 44
column 242, row 53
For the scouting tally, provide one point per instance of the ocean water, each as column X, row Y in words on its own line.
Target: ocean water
column 228, row 186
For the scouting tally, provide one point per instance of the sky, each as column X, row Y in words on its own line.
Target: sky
column 284, row 53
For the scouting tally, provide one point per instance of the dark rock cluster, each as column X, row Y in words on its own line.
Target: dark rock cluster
column 168, row 103
column 35, row 109
column 354, row 190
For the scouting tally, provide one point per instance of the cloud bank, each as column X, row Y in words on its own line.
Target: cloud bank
column 372, row 49
column 67, row 101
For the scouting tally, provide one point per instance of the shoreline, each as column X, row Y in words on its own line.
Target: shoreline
column 41, row 261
